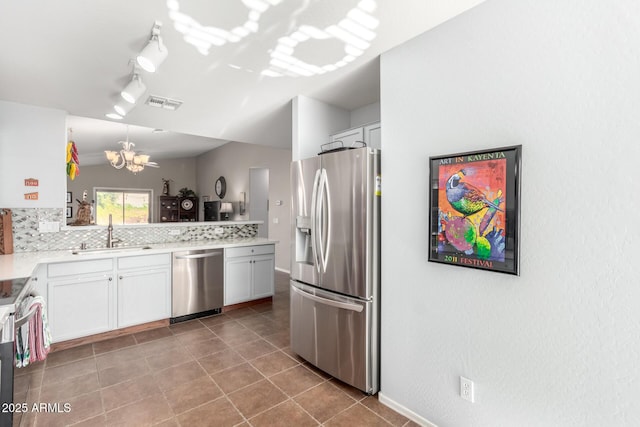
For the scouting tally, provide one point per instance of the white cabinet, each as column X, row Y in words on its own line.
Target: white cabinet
column 144, row 289
column 369, row 134
column 80, row 298
column 93, row 296
column 248, row 273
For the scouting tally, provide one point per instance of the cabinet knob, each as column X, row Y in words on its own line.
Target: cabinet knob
column 120, row 277
column 110, row 278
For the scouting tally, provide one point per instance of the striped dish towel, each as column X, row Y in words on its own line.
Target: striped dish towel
column 33, row 339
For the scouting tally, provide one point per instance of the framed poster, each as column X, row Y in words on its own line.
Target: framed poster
column 69, row 212
column 68, row 196
column 474, row 214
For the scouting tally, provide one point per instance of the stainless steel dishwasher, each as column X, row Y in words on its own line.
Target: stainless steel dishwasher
column 198, row 284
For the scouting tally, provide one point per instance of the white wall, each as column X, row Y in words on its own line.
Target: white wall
column 233, row 161
column 559, row 345
column 313, row 121
column 32, row 145
column 364, row 115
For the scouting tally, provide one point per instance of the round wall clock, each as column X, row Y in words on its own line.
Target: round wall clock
column 221, row 187
column 187, row 204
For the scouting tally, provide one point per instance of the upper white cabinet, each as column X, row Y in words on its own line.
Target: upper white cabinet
column 369, row 134
column 248, row 273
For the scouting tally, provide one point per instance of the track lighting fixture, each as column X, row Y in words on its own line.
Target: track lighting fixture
column 134, row 89
column 155, row 52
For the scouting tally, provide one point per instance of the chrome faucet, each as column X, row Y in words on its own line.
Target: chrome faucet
column 110, row 239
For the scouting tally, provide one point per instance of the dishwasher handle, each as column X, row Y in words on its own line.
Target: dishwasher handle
column 194, row 256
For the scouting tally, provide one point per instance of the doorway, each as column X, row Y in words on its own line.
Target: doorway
column 259, row 199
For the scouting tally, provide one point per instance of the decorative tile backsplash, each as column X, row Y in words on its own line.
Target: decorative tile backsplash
column 27, row 238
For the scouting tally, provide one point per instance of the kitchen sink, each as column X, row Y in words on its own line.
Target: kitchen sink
column 108, row 250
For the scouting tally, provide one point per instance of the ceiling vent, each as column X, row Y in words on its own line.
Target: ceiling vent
column 162, row 102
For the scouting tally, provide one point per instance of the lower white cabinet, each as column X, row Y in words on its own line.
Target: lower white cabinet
column 248, row 273
column 80, row 298
column 144, row 289
column 94, row 296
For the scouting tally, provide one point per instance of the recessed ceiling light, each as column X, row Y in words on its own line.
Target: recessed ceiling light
column 114, row 116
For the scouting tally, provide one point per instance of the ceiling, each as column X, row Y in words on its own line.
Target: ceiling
column 77, row 55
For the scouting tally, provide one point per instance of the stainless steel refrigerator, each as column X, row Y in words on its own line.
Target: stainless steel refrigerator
column 335, row 264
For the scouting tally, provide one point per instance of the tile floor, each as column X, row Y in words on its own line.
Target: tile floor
column 226, row 370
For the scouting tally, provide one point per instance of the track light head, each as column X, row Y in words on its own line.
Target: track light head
column 155, row 52
column 133, row 90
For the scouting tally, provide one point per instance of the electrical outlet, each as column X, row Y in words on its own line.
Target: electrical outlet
column 174, row 232
column 218, row 230
column 466, row 389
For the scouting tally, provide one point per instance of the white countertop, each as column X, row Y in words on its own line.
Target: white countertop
column 22, row 264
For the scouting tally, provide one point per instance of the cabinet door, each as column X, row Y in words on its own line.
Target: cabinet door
column 263, row 270
column 372, row 135
column 80, row 306
column 349, row 137
column 143, row 296
column 237, row 280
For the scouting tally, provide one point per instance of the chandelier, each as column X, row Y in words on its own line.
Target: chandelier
column 127, row 157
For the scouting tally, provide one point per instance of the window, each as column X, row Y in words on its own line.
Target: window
column 126, row 206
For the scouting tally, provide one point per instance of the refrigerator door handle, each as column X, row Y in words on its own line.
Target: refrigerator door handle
column 314, row 218
column 338, row 304
column 324, row 219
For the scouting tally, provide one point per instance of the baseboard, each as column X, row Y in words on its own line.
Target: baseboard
column 282, row 270
column 404, row 411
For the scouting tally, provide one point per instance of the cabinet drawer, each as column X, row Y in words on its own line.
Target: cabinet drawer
column 144, row 261
column 249, row 250
column 79, row 267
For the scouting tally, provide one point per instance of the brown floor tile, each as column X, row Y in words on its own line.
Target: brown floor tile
column 385, row 412
column 220, row 361
column 195, row 336
column 123, row 372
column 152, row 334
column 80, row 408
column 284, row 415
column 279, row 339
column 171, row 377
column 182, row 327
column 192, row 394
column 255, row 349
column 159, row 346
column 30, row 368
column 99, row 421
column 70, row 370
column 69, row 355
column 237, row 377
column 273, row 363
column 118, row 357
column 113, row 344
column 241, row 312
column 204, row 348
column 353, row 392
column 215, row 320
column 67, row 389
column 147, row 411
column 176, row 356
column 296, row 380
column 227, row 329
column 22, row 383
column 168, row 423
column 219, row 413
column 240, row 337
column 357, row 415
column 324, row 401
column 130, row 391
column 256, row 398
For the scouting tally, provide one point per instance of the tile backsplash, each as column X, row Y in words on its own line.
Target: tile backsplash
column 27, row 237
